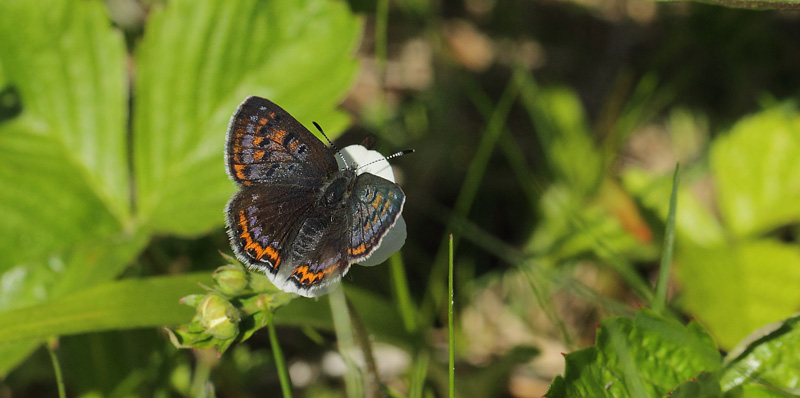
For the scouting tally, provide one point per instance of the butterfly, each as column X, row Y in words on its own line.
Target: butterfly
column 298, row 217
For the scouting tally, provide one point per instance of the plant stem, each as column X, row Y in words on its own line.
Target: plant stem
column 280, row 363
column 404, row 304
column 344, row 337
column 451, row 330
column 660, row 299
column 56, row 368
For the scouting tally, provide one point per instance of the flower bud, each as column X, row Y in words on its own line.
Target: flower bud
column 231, row 279
column 218, row 316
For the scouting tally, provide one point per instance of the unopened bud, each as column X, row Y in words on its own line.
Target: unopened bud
column 231, row 279
column 218, row 316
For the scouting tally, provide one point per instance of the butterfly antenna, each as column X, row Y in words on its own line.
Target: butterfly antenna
column 332, row 144
column 392, row 156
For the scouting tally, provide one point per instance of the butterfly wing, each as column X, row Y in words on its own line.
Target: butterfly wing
column 265, row 144
column 263, row 221
column 318, row 254
column 372, row 208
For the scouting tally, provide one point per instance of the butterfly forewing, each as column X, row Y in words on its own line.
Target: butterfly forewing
column 265, row 144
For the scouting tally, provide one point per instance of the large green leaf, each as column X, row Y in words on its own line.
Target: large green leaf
column 644, row 357
column 770, row 356
column 68, row 66
column 126, row 304
column 734, row 290
column 197, row 62
column 63, row 162
column 756, row 168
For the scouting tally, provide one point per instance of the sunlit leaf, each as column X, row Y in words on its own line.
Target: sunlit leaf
column 569, row 228
column 694, row 222
column 68, row 65
column 63, row 157
column 734, row 290
column 197, row 62
column 705, row 385
column 770, row 356
column 756, row 169
column 644, row 357
column 126, row 304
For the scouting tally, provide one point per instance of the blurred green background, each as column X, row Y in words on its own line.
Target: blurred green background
column 546, row 135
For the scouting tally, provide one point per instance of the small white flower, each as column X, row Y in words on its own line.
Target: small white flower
column 396, row 236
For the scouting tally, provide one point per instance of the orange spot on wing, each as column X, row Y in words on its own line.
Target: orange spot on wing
column 257, row 140
column 357, row 250
column 304, row 275
column 250, row 244
column 385, row 208
column 239, row 169
column 377, row 201
column 258, row 155
column 277, row 136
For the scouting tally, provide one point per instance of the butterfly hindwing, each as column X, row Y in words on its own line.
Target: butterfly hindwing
column 374, row 207
column 330, row 240
column 318, row 255
column 260, row 224
column 266, row 144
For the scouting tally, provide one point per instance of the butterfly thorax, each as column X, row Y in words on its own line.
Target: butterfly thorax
column 335, row 193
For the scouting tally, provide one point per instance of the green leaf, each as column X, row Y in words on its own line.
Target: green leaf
column 705, row 385
column 758, row 391
column 12, row 353
column 734, row 290
column 694, row 223
column 770, row 356
column 560, row 122
column 68, row 66
column 644, row 357
column 63, row 161
column 756, row 168
column 126, row 304
column 570, row 229
column 197, row 62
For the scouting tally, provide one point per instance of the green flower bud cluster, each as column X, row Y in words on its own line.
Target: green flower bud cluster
column 236, row 295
